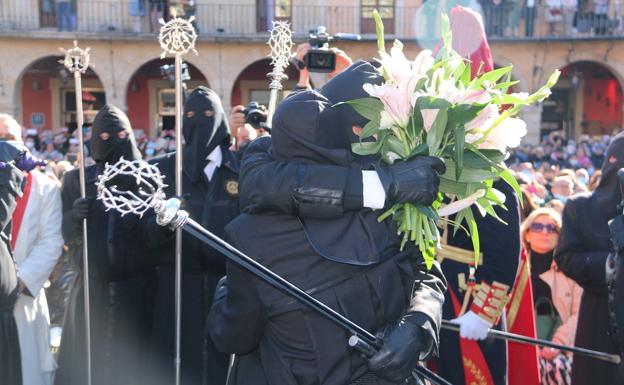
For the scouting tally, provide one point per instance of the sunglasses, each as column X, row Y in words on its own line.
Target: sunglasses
column 539, row 227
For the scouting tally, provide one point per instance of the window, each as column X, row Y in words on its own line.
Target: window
column 269, row 10
column 92, row 101
column 386, row 11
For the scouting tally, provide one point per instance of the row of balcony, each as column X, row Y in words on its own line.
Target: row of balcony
column 122, row 19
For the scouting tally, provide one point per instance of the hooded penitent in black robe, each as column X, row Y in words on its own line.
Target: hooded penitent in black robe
column 581, row 254
column 10, row 189
column 121, row 273
column 352, row 263
column 212, row 203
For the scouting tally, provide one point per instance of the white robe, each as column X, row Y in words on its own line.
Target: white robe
column 38, row 246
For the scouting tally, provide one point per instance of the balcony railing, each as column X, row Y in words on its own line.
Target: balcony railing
column 109, row 19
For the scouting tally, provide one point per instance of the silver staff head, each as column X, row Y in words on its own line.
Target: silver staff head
column 147, row 193
column 281, row 44
column 76, row 59
column 177, row 36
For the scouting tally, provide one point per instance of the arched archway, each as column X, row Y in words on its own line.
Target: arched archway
column 45, row 95
column 586, row 100
column 252, row 84
column 150, row 95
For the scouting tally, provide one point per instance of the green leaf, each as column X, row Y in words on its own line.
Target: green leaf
column 489, row 209
column 489, row 194
column 511, row 180
column 468, row 174
column 449, row 186
column 465, row 77
column 484, row 159
column 366, row 148
column 371, row 128
column 421, row 149
column 437, row 131
column 379, row 30
column 493, row 76
column 396, row 146
column 463, row 113
column 459, row 150
column 431, row 102
column 370, row 108
column 474, row 234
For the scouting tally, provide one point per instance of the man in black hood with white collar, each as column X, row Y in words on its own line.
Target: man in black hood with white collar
column 349, row 261
column 210, row 196
column 581, row 254
column 121, row 273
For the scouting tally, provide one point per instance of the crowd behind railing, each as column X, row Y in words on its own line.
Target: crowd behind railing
column 504, row 19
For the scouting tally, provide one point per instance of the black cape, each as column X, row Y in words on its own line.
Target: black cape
column 121, row 273
column 10, row 361
column 581, row 254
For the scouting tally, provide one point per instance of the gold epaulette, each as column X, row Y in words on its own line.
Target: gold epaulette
column 457, row 254
column 489, row 301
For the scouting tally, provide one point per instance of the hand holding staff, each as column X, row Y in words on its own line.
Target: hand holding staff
column 77, row 62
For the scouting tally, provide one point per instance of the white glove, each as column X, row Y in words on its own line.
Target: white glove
column 472, row 327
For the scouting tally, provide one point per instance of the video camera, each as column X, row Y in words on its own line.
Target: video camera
column 256, row 115
column 320, row 58
column 167, row 71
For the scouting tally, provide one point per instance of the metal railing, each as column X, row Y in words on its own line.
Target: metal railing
column 508, row 21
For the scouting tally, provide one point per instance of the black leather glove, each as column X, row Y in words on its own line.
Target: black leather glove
column 221, row 291
column 415, row 181
column 400, row 352
column 80, row 209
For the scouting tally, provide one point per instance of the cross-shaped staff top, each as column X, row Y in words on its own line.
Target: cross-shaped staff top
column 76, row 59
column 177, row 36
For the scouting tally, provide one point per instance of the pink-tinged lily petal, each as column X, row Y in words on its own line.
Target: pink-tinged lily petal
column 429, row 116
column 423, row 63
column 460, row 204
column 475, row 97
column 483, row 119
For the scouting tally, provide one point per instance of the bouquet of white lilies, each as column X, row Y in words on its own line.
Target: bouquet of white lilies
column 431, row 107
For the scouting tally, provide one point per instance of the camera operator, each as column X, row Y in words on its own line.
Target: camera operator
column 343, row 61
column 246, row 123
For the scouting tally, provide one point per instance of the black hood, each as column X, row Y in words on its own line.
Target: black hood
column 307, row 130
column 607, row 195
column 111, row 120
column 338, row 121
column 204, row 127
column 299, row 133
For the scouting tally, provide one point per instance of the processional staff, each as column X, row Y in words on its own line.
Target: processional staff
column 77, row 62
column 177, row 37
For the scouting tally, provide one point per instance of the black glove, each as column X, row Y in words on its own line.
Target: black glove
column 414, row 181
column 80, row 209
column 221, row 291
column 400, row 352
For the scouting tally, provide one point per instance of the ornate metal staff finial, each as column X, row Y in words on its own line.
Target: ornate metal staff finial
column 177, row 36
column 281, row 44
column 76, row 59
column 147, row 194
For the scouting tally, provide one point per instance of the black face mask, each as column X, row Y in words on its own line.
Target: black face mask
column 112, row 137
column 204, row 127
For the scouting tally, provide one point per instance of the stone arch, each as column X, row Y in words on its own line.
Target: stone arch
column 43, row 78
column 143, row 93
column 252, row 79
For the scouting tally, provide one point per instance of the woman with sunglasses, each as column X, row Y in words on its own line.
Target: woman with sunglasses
column 556, row 298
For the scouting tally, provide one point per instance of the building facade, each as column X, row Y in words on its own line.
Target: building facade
column 585, row 43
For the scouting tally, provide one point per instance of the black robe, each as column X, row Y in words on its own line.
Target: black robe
column 10, row 361
column 121, row 279
column 581, row 254
column 212, row 204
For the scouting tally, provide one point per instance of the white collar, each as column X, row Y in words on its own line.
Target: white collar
column 216, row 159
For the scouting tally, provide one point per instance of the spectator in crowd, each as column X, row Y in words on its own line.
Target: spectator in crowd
column 562, row 188
column 556, row 298
column 64, row 15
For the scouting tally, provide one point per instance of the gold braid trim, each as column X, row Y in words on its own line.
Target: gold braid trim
column 518, row 293
column 476, row 372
